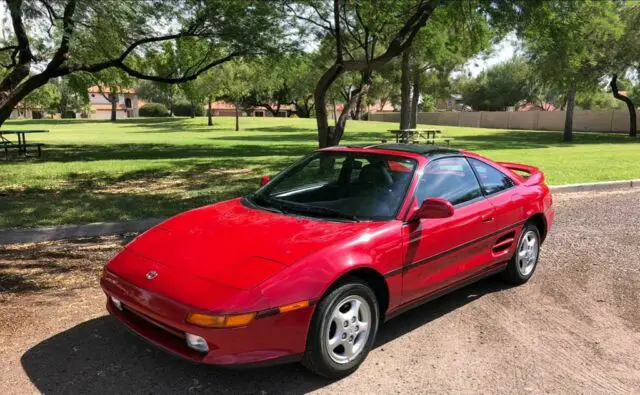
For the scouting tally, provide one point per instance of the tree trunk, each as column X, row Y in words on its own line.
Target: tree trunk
column 415, row 99
column 633, row 129
column 114, row 109
column 344, row 116
column 237, row 118
column 320, row 97
column 568, row 122
column 358, row 109
column 209, row 113
column 405, row 92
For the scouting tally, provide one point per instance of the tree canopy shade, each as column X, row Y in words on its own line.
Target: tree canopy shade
column 53, row 38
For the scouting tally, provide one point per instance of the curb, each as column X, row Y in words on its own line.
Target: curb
column 595, row 186
column 11, row 236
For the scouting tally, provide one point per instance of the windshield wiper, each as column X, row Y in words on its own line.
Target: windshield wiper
column 323, row 210
column 267, row 203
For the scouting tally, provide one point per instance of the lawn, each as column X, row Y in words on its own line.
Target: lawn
column 98, row 171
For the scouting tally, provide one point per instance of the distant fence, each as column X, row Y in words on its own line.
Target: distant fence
column 610, row 121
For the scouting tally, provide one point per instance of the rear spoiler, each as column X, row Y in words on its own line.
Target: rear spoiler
column 533, row 175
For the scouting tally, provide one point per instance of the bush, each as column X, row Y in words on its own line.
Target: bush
column 153, row 110
column 183, row 109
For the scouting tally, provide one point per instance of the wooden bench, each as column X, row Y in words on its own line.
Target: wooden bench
column 20, row 148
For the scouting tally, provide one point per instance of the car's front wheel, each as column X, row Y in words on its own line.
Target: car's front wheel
column 342, row 330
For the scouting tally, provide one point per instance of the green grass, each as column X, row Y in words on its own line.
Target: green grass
column 98, row 171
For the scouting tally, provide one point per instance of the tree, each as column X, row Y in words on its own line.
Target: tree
column 384, row 86
column 159, row 92
column 211, row 84
column 365, row 36
column 301, row 78
column 627, row 57
column 503, row 85
column 568, row 46
column 72, row 96
column 42, row 98
column 51, row 38
column 235, row 84
column 452, row 36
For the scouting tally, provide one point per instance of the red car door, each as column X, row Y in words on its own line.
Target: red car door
column 500, row 190
column 441, row 252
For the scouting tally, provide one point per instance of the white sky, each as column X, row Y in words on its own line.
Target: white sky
column 501, row 52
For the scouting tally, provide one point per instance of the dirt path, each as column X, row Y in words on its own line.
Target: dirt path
column 574, row 329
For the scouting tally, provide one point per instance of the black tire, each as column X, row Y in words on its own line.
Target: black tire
column 316, row 357
column 513, row 274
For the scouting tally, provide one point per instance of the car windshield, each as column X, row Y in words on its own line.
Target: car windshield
column 341, row 185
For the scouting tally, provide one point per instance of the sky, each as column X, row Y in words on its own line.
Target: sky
column 501, row 52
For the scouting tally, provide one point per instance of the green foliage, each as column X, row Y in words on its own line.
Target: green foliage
column 598, row 100
column 44, row 97
column 153, row 110
column 569, row 42
column 500, row 86
column 187, row 109
column 235, row 81
column 158, row 92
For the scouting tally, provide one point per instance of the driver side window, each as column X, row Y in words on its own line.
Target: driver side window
column 451, row 179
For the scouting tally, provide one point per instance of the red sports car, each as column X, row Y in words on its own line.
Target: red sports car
column 307, row 267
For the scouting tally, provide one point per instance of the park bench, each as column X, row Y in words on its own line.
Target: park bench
column 22, row 148
column 420, row 136
column 21, row 145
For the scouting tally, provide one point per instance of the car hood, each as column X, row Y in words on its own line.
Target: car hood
column 239, row 246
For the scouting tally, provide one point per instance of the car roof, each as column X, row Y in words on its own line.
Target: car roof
column 425, row 150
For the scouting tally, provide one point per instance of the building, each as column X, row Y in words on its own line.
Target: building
column 100, row 108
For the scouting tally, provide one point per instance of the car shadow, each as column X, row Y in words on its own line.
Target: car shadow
column 102, row 356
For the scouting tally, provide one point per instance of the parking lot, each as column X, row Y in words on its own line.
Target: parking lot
column 575, row 328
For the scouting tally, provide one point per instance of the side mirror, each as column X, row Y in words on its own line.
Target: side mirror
column 264, row 180
column 433, row 208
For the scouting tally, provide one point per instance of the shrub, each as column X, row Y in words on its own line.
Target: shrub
column 153, row 110
column 183, row 109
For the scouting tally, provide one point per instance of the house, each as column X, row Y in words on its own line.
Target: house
column 224, row 109
column 100, row 108
column 526, row 106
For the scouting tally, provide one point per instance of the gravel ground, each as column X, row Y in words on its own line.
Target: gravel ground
column 575, row 328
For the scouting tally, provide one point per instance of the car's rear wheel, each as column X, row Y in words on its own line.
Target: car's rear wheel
column 342, row 330
column 525, row 259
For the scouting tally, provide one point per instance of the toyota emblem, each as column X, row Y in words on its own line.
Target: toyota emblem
column 151, row 275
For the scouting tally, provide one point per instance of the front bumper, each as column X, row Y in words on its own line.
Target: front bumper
column 161, row 322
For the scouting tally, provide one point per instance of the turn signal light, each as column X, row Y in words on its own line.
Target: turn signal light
column 294, row 306
column 220, row 321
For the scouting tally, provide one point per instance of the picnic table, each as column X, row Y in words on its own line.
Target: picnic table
column 21, row 145
column 406, row 136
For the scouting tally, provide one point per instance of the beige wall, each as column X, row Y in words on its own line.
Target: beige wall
column 583, row 121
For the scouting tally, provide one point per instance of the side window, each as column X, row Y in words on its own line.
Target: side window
column 492, row 180
column 449, row 178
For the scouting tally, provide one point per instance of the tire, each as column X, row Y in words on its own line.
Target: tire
column 525, row 259
column 339, row 305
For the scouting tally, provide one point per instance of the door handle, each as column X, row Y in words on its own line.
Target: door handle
column 487, row 219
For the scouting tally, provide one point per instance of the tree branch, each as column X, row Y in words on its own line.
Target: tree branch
column 62, row 53
column 338, row 32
